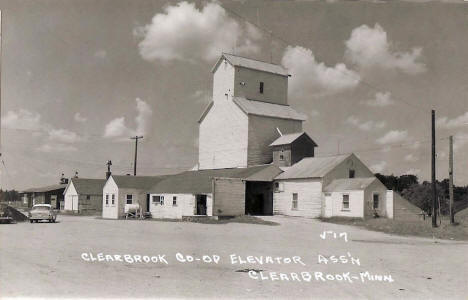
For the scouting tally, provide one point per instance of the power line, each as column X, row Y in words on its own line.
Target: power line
column 289, row 43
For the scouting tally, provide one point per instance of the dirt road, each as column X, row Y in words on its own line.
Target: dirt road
column 56, row 260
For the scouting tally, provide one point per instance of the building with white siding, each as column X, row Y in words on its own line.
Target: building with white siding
column 254, row 158
column 248, row 107
column 84, row 195
column 334, row 186
column 123, row 193
column 215, row 192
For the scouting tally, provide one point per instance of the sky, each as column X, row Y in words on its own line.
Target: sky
column 80, row 77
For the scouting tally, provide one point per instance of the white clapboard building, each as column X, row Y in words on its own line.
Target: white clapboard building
column 254, row 158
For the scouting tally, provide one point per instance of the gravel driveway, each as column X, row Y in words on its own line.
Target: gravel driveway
column 89, row 257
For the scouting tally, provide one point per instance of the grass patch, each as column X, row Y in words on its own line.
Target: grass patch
column 422, row 228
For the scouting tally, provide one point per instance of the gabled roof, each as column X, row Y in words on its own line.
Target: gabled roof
column 45, row 189
column 137, row 182
column 88, row 186
column 287, row 139
column 313, row 167
column 205, row 111
column 349, row 184
column 200, row 182
column 239, row 61
column 259, row 108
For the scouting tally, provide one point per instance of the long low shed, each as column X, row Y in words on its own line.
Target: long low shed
column 213, row 192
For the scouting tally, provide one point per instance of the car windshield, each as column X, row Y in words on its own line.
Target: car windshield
column 44, row 208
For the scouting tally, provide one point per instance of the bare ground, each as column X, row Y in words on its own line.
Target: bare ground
column 44, row 260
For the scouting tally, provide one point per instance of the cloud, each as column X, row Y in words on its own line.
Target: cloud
column 380, row 100
column 201, row 97
column 459, row 121
column 22, row 119
column 64, row 136
column 378, row 167
column 312, row 77
column 118, row 128
column 56, row 147
column 79, row 118
column 184, row 33
column 393, row 136
column 143, row 118
column 31, row 121
column 365, row 126
column 368, row 47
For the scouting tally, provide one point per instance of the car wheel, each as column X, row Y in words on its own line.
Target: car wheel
column 31, row 221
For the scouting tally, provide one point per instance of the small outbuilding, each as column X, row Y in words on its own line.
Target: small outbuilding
column 357, row 197
column 51, row 194
column 84, row 195
column 289, row 149
column 123, row 193
column 330, row 186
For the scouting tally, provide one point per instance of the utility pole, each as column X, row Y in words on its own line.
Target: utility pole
column 434, row 188
column 452, row 217
column 136, row 138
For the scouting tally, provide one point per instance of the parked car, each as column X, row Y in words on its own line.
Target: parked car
column 42, row 212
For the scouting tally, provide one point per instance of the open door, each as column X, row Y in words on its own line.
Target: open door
column 201, row 205
column 148, row 202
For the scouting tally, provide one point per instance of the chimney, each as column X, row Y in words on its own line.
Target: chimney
column 63, row 180
column 108, row 173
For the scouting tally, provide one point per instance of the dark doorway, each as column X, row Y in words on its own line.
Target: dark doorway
column 148, row 202
column 201, row 205
column 259, row 198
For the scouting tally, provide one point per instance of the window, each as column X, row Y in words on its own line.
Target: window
column 107, row 199
column 129, row 199
column 376, row 201
column 281, row 156
column 351, row 173
column 158, row 200
column 174, row 201
column 294, row 201
column 261, row 87
column 113, row 199
column 345, row 202
column 88, row 197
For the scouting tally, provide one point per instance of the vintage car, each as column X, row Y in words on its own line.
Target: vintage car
column 42, row 212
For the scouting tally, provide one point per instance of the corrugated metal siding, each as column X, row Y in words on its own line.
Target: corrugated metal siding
column 262, row 132
column 265, row 109
column 247, row 85
column 229, row 197
column 309, row 198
